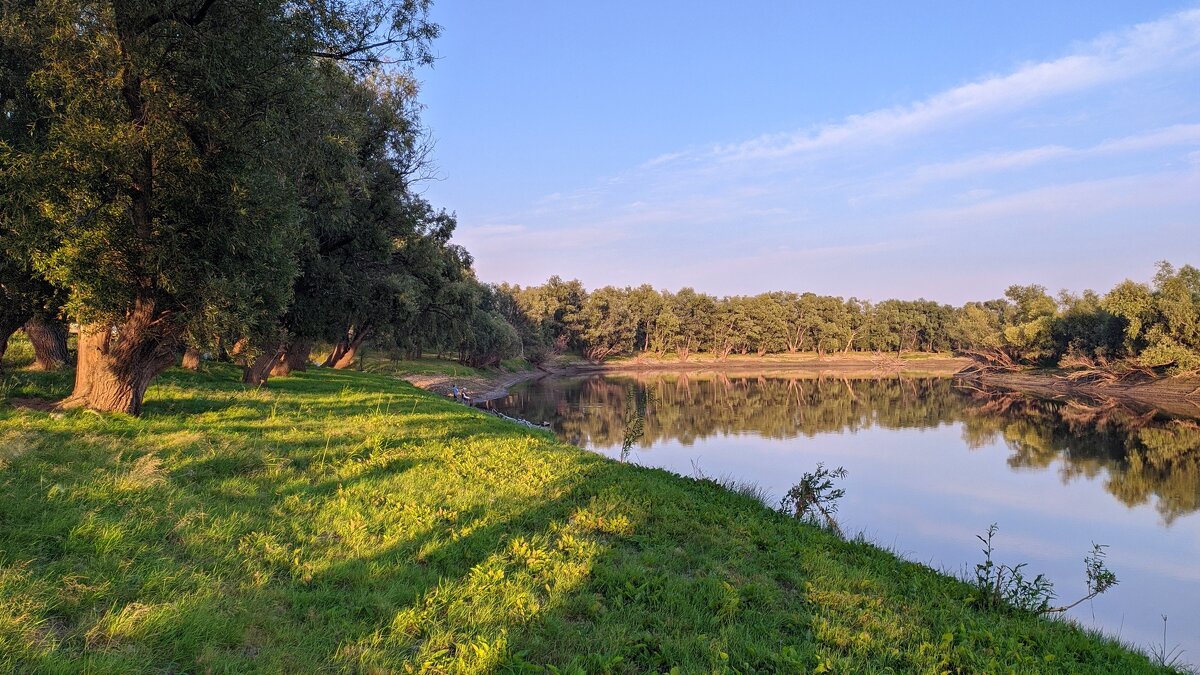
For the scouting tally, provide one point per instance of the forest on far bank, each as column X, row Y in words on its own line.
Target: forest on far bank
column 1151, row 325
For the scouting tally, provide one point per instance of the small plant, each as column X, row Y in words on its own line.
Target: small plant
column 814, row 499
column 1167, row 657
column 1004, row 586
column 1099, row 577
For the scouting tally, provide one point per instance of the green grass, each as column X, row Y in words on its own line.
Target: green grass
column 20, row 351
column 344, row 521
column 515, row 365
column 398, row 367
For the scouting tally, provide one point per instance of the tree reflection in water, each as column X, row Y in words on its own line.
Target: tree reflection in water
column 1140, row 454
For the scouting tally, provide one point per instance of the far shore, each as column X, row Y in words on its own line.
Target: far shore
column 854, row 363
column 1174, row 396
column 483, row 388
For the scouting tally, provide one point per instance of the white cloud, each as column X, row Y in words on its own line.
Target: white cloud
column 1170, row 42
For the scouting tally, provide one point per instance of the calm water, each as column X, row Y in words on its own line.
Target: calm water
column 930, row 466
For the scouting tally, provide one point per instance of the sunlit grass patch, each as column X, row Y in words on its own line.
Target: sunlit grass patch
column 348, row 521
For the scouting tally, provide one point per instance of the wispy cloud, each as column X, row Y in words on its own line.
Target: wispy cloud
column 1171, row 42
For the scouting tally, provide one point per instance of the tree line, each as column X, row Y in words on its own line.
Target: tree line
column 233, row 177
column 1154, row 325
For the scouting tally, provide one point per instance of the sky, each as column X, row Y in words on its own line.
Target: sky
column 942, row 150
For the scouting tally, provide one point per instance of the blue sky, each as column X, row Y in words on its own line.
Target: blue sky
column 941, row 150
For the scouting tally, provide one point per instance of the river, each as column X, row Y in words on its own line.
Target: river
column 931, row 464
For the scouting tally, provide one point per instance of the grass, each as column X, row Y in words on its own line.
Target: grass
column 20, row 351
column 344, row 521
column 389, row 363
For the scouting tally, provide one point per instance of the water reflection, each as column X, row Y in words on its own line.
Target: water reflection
column 1141, row 456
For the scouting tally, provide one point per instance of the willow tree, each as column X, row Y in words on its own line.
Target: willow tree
column 424, row 292
column 357, row 186
column 163, row 170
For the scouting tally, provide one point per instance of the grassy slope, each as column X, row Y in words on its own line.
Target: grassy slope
column 345, row 521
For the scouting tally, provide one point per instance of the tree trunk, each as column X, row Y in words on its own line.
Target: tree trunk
column 117, row 363
column 191, row 359
column 49, row 339
column 339, row 350
column 259, row 369
column 850, row 342
column 345, row 352
column 295, row 357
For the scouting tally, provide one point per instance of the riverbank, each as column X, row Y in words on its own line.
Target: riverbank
column 1174, row 396
column 345, row 521
column 481, row 388
column 857, row 363
column 1177, row 396
column 491, row 384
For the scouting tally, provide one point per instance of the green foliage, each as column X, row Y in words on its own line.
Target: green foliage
column 1154, row 327
column 344, row 521
column 998, row 586
column 814, row 498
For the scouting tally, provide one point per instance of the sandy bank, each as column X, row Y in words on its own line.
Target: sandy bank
column 480, row 389
column 837, row 365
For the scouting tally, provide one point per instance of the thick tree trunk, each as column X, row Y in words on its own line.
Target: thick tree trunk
column 117, row 363
column 49, row 339
column 295, row 357
column 191, row 359
column 298, row 353
column 336, row 354
column 221, row 353
column 258, row 370
column 343, row 354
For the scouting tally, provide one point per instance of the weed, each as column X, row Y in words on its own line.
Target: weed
column 999, row 585
column 635, row 422
column 814, row 498
column 1167, row 657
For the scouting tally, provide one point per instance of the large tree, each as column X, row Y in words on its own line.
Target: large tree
column 161, row 187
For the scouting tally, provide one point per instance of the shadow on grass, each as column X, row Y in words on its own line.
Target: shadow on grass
column 378, row 548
